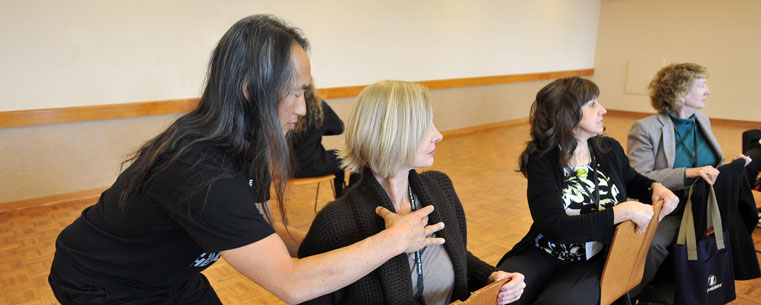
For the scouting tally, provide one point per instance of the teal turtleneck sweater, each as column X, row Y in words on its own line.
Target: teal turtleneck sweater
column 684, row 155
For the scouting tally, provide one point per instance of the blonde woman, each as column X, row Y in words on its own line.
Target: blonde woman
column 390, row 134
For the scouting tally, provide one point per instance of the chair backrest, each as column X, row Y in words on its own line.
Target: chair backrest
column 484, row 296
column 317, row 180
column 625, row 264
column 310, row 180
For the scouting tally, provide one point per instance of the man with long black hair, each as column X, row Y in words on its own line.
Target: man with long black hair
column 188, row 198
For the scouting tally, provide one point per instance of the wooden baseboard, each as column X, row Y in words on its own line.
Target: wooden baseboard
column 89, row 195
column 628, row 114
column 714, row 121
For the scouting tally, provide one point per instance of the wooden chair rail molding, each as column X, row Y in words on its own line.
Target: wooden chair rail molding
column 36, row 117
column 87, row 196
column 714, row 121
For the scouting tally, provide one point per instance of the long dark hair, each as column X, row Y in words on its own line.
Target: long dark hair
column 554, row 115
column 239, row 137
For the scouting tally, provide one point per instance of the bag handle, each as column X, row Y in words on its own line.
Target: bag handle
column 687, row 227
column 714, row 217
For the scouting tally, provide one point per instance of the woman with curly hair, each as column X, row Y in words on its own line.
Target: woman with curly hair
column 674, row 146
column 578, row 185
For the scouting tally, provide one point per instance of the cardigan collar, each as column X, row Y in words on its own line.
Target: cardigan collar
column 397, row 269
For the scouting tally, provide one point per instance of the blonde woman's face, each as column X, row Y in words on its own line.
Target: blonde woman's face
column 427, row 148
column 696, row 96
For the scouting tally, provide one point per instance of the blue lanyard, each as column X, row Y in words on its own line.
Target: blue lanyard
column 418, row 258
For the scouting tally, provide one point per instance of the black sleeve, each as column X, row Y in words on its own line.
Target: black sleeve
column 547, row 208
column 637, row 185
column 225, row 217
column 331, row 122
column 478, row 272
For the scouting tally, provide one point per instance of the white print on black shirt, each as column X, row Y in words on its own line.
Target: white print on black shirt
column 204, row 260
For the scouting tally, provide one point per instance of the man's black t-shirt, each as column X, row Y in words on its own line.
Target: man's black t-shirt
column 160, row 237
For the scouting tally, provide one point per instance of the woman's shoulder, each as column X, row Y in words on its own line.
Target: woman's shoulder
column 702, row 118
column 435, row 175
column 434, row 178
column 610, row 145
column 340, row 223
column 338, row 207
column 644, row 125
column 353, row 203
column 546, row 158
column 610, row 142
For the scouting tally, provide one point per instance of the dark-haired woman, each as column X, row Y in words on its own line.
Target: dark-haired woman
column 578, row 184
column 313, row 160
column 191, row 194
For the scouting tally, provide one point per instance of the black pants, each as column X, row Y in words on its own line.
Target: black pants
column 551, row 281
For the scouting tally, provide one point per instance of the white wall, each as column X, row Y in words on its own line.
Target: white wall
column 61, row 53
column 725, row 36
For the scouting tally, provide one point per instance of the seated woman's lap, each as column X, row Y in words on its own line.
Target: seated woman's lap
column 551, row 281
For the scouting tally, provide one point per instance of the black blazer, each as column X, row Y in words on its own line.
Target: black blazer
column 738, row 216
column 545, row 201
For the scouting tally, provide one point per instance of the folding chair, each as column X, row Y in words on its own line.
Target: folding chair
column 484, row 296
column 625, row 264
column 318, row 180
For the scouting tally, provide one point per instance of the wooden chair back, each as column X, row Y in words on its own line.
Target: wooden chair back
column 484, row 296
column 625, row 264
column 318, row 180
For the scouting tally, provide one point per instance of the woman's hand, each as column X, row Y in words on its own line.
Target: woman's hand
column 636, row 211
column 670, row 201
column 512, row 290
column 747, row 159
column 410, row 230
column 708, row 173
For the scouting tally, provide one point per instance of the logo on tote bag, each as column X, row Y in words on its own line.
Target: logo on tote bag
column 712, row 283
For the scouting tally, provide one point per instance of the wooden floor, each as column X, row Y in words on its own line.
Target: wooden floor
column 482, row 166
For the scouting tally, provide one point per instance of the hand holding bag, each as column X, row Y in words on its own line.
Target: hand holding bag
column 703, row 269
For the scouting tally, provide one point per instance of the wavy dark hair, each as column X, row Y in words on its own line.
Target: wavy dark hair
column 314, row 115
column 555, row 114
column 238, row 137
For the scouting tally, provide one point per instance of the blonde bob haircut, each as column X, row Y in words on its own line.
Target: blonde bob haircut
column 386, row 126
column 671, row 83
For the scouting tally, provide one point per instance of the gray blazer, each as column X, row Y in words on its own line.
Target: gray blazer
column 651, row 147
